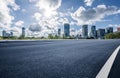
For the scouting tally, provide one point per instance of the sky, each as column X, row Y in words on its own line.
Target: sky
column 43, row 17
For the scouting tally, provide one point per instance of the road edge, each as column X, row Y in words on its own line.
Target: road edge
column 105, row 70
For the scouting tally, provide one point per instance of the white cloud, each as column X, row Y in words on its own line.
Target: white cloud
column 37, row 16
column 19, row 23
column 23, row 10
column 12, row 4
column 51, row 4
column 63, row 20
column 32, row 0
column 35, row 28
column 48, row 8
column 6, row 6
column 90, row 16
column 16, row 31
column 47, row 15
column 88, row 2
column 114, row 25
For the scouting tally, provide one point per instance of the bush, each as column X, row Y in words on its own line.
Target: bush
column 115, row 35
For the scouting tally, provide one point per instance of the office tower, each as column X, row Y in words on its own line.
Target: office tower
column 23, row 32
column 118, row 29
column 85, row 31
column 109, row 30
column 59, row 31
column 101, row 33
column 66, row 30
column 93, row 32
column 11, row 34
column 4, row 33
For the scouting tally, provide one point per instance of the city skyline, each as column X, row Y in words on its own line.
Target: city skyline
column 42, row 17
column 86, row 32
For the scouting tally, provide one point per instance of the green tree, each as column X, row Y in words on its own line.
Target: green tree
column 50, row 36
column 110, row 36
column 56, row 37
column 115, row 35
column 1, row 38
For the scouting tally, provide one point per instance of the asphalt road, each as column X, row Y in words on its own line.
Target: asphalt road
column 54, row 58
column 115, row 70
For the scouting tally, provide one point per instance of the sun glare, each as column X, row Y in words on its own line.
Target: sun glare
column 48, row 13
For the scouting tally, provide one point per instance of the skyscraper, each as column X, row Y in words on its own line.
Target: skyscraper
column 109, row 30
column 11, row 34
column 101, row 33
column 23, row 32
column 118, row 29
column 66, row 30
column 93, row 31
column 4, row 33
column 85, row 31
column 59, row 31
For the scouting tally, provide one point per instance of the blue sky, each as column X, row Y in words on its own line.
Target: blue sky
column 42, row 17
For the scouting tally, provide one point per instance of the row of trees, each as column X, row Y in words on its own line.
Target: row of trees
column 50, row 36
column 115, row 35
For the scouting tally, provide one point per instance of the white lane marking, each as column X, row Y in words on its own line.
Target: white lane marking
column 104, row 72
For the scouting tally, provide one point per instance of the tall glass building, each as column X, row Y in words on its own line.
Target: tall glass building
column 59, row 31
column 93, row 31
column 66, row 30
column 101, row 33
column 23, row 32
column 109, row 30
column 85, row 31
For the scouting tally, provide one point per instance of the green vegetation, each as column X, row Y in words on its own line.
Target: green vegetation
column 1, row 38
column 50, row 36
column 9, row 38
column 115, row 35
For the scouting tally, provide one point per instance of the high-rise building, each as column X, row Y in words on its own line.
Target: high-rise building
column 66, row 30
column 59, row 31
column 85, row 31
column 93, row 32
column 11, row 34
column 101, row 33
column 23, row 32
column 118, row 29
column 5, row 34
column 109, row 30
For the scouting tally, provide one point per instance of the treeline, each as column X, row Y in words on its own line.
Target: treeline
column 115, row 35
column 50, row 36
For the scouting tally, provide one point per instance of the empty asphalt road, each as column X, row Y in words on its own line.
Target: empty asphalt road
column 55, row 58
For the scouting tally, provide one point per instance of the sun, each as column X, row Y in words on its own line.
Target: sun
column 49, row 12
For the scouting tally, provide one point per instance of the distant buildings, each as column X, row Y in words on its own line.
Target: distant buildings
column 66, row 30
column 100, row 33
column 11, row 34
column 93, row 32
column 96, row 34
column 109, row 30
column 118, row 29
column 23, row 32
column 6, row 34
column 85, row 31
column 59, row 32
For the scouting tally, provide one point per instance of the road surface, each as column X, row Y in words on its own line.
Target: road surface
column 56, row 58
